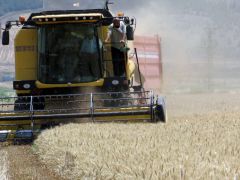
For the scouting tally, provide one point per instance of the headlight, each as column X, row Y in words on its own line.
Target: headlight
column 115, row 82
column 26, row 86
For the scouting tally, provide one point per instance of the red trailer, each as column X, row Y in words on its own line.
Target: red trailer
column 150, row 61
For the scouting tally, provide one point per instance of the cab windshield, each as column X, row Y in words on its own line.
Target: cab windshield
column 68, row 53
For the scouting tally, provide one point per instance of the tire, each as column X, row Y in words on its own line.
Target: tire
column 159, row 114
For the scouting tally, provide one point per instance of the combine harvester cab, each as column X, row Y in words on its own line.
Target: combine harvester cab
column 57, row 81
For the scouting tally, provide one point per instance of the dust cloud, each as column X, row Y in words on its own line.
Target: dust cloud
column 200, row 41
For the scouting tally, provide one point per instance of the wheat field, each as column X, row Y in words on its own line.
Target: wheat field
column 3, row 165
column 200, row 141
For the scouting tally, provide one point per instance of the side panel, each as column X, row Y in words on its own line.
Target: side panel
column 26, row 55
column 150, row 61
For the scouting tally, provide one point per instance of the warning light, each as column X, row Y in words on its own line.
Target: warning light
column 120, row 14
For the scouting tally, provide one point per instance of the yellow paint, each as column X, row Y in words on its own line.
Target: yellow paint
column 90, row 84
column 130, row 69
column 117, row 109
column 67, row 15
column 26, row 54
column 23, row 91
column 50, row 17
column 131, row 118
column 66, row 22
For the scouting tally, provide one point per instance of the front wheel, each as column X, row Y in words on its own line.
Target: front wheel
column 160, row 114
column 159, row 110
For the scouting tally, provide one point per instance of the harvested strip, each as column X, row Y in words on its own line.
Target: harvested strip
column 3, row 164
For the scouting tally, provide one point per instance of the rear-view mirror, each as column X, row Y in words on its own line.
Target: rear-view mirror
column 130, row 33
column 5, row 37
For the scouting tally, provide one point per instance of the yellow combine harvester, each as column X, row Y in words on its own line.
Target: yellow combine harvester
column 56, row 81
